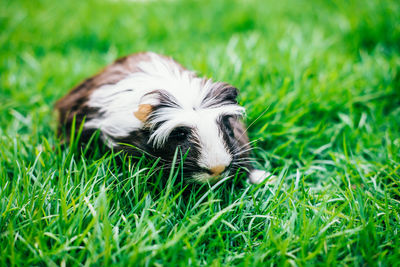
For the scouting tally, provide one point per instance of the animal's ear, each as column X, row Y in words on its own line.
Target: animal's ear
column 221, row 94
column 146, row 106
column 228, row 94
column 143, row 112
column 152, row 101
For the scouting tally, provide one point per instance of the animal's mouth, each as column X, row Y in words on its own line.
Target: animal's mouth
column 205, row 177
column 213, row 178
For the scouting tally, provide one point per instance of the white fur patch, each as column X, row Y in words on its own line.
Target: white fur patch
column 213, row 151
column 258, row 176
column 198, row 119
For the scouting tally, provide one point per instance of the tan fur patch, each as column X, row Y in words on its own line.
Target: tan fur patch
column 143, row 112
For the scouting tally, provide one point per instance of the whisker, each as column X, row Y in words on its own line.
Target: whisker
column 251, row 124
column 248, row 144
column 245, row 160
column 242, row 152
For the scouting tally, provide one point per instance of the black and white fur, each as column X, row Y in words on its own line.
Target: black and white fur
column 153, row 103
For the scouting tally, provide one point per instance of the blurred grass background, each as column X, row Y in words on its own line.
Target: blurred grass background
column 328, row 73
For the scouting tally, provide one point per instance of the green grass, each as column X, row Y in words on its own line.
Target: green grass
column 327, row 71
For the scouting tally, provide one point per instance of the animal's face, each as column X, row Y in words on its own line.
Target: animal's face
column 209, row 135
column 208, row 142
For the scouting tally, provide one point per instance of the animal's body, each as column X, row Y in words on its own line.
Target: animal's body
column 154, row 104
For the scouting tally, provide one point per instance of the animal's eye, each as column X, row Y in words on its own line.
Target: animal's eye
column 180, row 134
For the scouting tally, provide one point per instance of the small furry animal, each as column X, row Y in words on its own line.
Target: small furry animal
column 155, row 105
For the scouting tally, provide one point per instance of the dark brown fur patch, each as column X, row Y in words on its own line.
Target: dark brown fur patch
column 221, row 94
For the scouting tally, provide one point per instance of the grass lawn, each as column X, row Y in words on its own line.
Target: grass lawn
column 323, row 79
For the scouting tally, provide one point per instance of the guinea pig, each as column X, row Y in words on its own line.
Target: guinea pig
column 148, row 103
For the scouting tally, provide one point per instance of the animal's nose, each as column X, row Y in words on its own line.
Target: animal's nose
column 217, row 169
